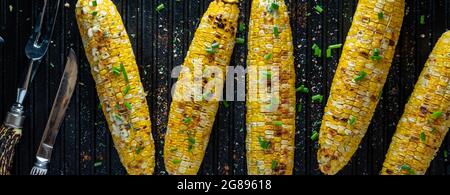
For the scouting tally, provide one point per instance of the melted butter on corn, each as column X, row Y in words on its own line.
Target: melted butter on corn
column 421, row 130
column 118, row 83
column 369, row 48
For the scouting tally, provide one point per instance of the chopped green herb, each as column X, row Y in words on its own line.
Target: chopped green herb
column 316, row 124
column 361, row 76
column 376, row 55
column 176, row 161
column 278, row 123
column 191, row 141
column 187, row 120
column 299, row 107
column 128, row 105
column 276, row 31
column 98, row 163
column 318, row 9
column 126, row 90
column 160, row 7
column 268, row 56
column 241, row 27
column 351, row 120
column 99, row 107
column 94, row 3
column 116, row 71
column 445, row 154
column 380, row 15
column 314, row 136
column 94, row 13
column 52, row 65
column 226, row 104
column 263, row 143
column 118, row 107
column 436, row 115
column 173, row 150
column 422, row 19
column 117, row 117
column 329, row 53
column 210, row 50
column 267, row 74
column 317, row 98
column 215, row 45
column 240, row 40
column 138, row 150
column 335, row 46
column 274, row 164
column 273, row 6
column 124, row 73
column 408, row 169
column 317, row 50
column 302, row 89
column 422, row 137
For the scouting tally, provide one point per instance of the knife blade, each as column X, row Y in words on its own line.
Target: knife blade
column 62, row 100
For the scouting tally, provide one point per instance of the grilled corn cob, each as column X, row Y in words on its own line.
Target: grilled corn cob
column 191, row 121
column 270, row 128
column 359, row 80
column 118, row 83
column 426, row 119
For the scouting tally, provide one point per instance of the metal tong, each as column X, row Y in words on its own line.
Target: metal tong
column 35, row 50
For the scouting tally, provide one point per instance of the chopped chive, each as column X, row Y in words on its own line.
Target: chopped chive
column 241, row 27
column 422, row 137
column 215, row 45
column 329, row 53
column 273, row 6
column 191, row 140
column 299, row 107
column 118, row 107
column 263, row 143
column 316, row 124
column 267, row 74
column 160, row 7
column 278, row 123
column 116, row 71
column 173, row 150
column 361, row 76
column 274, row 164
column 376, row 55
column 94, row 3
column 94, row 13
column 302, row 89
column 436, row 115
column 276, row 31
column 268, row 56
column 408, row 169
column 117, row 117
column 126, row 90
column 240, row 40
column 210, row 50
column 176, row 161
column 314, row 136
column 351, row 120
column 98, row 163
column 422, row 19
column 226, row 104
column 138, row 150
column 380, row 15
column 124, row 72
column 128, row 105
column 335, row 46
column 317, row 98
column 187, row 120
column 318, row 9
column 445, row 153
column 317, row 50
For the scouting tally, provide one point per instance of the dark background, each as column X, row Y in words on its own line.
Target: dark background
column 160, row 42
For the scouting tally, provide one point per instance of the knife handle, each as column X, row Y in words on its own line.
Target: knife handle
column 9, row 137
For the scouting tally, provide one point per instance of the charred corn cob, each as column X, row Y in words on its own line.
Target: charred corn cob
column 426, row 119
column 191, row 119
column 270, row 116
column 118, row 83
column 359, row 80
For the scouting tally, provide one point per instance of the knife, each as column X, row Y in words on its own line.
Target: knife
column 62, row 100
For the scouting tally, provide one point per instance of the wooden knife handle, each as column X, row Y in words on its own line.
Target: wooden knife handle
column 9, row 137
